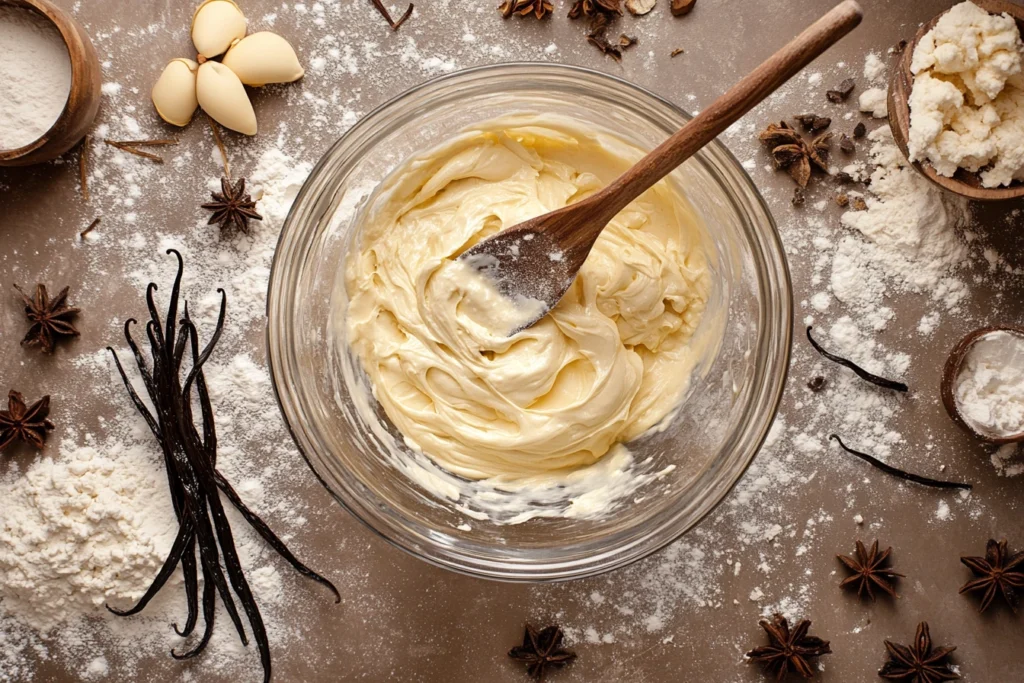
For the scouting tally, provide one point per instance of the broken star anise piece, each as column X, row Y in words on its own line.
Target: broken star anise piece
column 538, row 8
column 49, row 317
column 791, row 152
column 24, row 423
column 588, row 8
column 788, row 649
column 918, row 663
column 869, row 570
column 997, row 572
column 542, row 650
column 232, row 206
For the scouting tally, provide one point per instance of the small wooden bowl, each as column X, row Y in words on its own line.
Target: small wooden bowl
column 83, row 100
column 900, row 84
column 952, row 370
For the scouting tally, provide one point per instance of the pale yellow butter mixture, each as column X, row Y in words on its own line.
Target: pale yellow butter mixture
column 607, row 364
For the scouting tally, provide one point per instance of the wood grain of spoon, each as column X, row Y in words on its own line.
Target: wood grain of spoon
column 901, row 82
column 539, row 258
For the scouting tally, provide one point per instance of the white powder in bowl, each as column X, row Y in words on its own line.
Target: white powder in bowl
column 35, row 76
column 990, row 386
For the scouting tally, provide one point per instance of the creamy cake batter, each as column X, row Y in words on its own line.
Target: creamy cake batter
column 607, row 364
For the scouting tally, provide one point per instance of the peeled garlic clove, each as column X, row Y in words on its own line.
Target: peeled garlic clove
column 174, row 94
column 215, row 26
column 263, row 58
column 223, row 97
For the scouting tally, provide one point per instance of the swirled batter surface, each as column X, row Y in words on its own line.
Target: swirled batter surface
column 605, row 365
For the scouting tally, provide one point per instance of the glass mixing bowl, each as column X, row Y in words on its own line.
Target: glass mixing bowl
column 711, row 439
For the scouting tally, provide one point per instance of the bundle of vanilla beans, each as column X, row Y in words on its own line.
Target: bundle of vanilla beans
column 190, row 457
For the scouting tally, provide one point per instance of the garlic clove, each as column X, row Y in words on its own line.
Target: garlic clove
column 217, row 24
column 263, row 58
column 174, row 94
column 223, row 97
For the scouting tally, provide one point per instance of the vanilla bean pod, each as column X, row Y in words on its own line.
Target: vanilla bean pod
column 860, row 372
column 896, row 472
column 195, row 484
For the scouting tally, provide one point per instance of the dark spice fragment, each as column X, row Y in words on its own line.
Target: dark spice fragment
column 799, row 197
column 387, row 15
column 626, row 41
column 597, row 37
column 92, row 226
column 846, row 144
column 842, row 199
column 83, row 167
column 542, row 650
column 590, row 8
column 50, row 318
column 860, row 372
column 681, row 7
column 900, row 46
column 21, row 422
column 845, row 178
column 841, row 91
column 132, row 147
column 869, row 570
column 788, row 649
column 860, row 130
column 196, row 486
column 538, row 8
column 896, row 472
column 232, row 207
column 918, row 663
column 812, row 122
column 817, row 384
column 999, row 572
column 676, row 52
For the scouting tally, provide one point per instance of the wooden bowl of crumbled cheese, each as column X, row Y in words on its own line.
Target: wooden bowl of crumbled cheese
column 956, row 100
column 983, row 384
column 49, row 82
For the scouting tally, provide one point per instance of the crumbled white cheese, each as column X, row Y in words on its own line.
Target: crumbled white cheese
column 967, row 104
column 873, row 101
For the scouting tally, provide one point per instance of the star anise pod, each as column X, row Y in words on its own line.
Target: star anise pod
column 588, row 8
column 918, row 663
column 791, row 152
column 869, row 571
column 997, row 572
column 232, row 206
column 788, row 649
column 542, row 650
column 24, row 423
column 49, row 317
column 539, row 8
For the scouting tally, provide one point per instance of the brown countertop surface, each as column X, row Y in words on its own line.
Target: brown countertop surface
column 690, row 612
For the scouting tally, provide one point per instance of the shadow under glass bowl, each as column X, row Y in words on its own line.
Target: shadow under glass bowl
column 711, row 439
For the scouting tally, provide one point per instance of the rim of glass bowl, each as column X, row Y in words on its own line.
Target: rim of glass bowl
column 300, row 229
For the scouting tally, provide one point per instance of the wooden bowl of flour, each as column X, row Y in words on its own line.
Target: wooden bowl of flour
column 83, row 99
column 902, row 82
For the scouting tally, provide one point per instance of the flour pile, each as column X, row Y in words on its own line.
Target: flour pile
column 90, row 525
column 906, row 239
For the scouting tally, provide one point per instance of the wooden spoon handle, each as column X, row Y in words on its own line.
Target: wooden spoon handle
column 725, row 110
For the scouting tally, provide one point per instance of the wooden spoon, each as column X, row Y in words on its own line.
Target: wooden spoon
column 539, row 258
column 898, row 102
column 950, row 373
